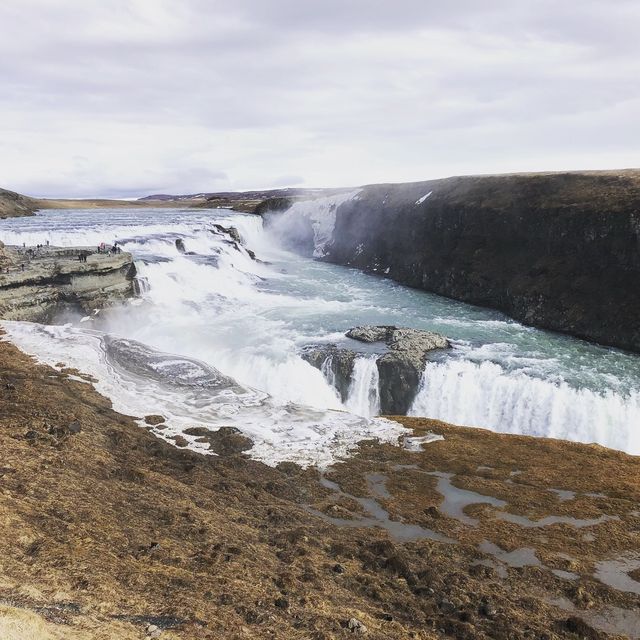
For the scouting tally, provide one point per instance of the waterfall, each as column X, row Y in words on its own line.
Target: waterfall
column 328, row 373
column 486, row 395
column 311, row 220
column 364, row 390
column 140, row 283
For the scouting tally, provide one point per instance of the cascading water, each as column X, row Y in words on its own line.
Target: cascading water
column 364, row 390
column 329, row 374
column 484, row 394
column 249, row 319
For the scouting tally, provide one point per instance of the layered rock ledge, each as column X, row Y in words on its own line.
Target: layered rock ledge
column 38, row 284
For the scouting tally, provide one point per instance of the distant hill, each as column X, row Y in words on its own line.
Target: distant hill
column 13, row 204
column 244, row 195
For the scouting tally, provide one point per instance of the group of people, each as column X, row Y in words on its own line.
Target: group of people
column 103, row 248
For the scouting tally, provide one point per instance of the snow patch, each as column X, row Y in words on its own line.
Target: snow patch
column 424, row 197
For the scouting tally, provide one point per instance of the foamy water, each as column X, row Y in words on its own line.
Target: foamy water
column 248, row 320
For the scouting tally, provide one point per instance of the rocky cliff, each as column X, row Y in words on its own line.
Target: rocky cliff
column 13, row 204
column 54, row 280
column 559, row 251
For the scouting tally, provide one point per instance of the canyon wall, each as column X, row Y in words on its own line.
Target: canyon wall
column 559, row 251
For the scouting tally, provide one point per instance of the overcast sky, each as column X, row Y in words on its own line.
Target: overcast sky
column 131, row 97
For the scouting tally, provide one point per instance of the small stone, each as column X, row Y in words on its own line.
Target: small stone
column 154, row 420
column 338, row 568
column 180, row 441
column 153, row 631
column 487, row 609
column 355, row 626
column 446, row 606
column 75, row 427
column 281, row 603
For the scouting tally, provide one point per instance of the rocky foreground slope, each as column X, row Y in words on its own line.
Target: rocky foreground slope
column 559, row 251
column 108, row 532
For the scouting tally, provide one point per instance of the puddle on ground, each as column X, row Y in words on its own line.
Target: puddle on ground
column 523, row 521
column 377, row 484
column 455, row 500
column 563, row 494
column 523, row 557
column 565, row 575
column 416, row 443
column 499, row 568
column 615, row 573
column 613, row 620
column 377, row 515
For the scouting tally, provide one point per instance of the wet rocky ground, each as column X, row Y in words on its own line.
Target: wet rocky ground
column 108, row 532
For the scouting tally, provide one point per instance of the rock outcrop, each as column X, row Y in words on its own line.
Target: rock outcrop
column 13, row 204
column 559, row 251
column 54, row 280
column 335, row 363
column 400, row 366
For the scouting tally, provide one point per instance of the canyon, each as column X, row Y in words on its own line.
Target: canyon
column 559, row 251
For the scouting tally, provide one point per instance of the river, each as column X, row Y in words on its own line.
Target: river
column 218, row 310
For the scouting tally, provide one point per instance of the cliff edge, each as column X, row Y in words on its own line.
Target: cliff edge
column 37, row 284
column 559, row 251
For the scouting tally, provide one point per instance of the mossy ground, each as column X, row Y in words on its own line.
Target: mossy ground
column 107, row 530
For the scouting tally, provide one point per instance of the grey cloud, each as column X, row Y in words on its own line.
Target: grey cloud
column 153, row 93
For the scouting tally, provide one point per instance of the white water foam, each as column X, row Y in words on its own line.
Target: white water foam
column 364, row 389
column 485, row 394
column 140, row 381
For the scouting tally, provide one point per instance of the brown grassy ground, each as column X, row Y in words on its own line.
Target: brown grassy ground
column 107, row 530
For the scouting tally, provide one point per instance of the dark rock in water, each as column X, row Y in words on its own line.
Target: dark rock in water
column 232, row 232
column 154, row 419
column 400, row 368
column 180, row 245
column 235, row 241
column 335, row 363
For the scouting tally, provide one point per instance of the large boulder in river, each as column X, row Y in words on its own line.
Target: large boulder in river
column 403, row 357
column 402, row 366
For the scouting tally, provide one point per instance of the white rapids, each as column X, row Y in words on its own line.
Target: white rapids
column 217, row 312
